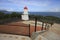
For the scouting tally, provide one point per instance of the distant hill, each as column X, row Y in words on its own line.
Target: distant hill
column 5, row 11
column 9, row 12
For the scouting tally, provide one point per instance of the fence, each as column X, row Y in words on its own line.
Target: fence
column 21, row 29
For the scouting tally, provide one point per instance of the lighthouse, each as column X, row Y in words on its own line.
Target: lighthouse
column 25, row 14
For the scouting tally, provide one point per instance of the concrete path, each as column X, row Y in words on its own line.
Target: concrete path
column 53, row 33
column 37, row 36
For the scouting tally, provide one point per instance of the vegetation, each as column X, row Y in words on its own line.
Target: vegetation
column 46, row 19
column 5, row 18
column 15, row 16
column 12, row 15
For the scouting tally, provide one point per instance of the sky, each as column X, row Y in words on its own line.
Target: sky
column 33, row 5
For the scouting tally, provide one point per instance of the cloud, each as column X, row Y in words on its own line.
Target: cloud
column 54, row 10
column 39, row 5
column 33, row 3
column 10, row 9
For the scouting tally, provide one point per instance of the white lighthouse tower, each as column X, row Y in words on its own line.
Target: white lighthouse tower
column 25, row 14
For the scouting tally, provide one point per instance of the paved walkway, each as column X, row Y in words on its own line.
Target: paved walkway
column 37, row 35
column 53, row 33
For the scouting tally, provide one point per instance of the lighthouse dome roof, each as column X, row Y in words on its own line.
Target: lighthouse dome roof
column 25, row 7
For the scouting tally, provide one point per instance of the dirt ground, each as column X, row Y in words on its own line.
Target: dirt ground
column 18, row 28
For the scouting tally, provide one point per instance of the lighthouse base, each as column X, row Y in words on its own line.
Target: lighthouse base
column 25, row 17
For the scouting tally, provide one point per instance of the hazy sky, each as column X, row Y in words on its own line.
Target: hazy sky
column 33, row 5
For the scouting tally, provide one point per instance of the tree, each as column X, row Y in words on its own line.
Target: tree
column 2, row 15
column 13, row 15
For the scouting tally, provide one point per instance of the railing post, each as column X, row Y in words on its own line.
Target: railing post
column 42, row 26
column 29, row 30
column 35, row 24
column 45, row 26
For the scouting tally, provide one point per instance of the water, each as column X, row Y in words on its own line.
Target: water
column 56, row 14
